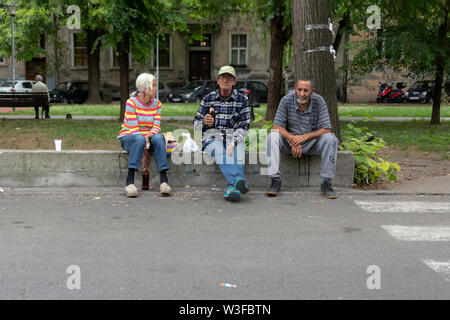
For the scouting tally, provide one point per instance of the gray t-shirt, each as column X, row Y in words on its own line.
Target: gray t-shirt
column 291, row 117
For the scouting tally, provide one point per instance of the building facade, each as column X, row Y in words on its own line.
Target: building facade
column 238, row 42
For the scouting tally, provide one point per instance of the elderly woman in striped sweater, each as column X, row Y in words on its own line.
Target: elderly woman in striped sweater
column 141, row 133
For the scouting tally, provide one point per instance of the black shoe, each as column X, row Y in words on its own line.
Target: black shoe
column 274, row 188
column 241, row 185
column 36, row 117
column 327, row 189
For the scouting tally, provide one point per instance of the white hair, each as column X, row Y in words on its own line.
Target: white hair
column 39, row 78
column 144, row 81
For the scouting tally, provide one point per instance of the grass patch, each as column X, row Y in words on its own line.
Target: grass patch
column 113, row 110
column 419, row 111
column 417, row 134
column 190, row 109
column 76, row 135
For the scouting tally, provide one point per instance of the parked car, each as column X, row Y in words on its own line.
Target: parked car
column 177, row 85
column 164, row 91
column 21, row 86
column 193, row 91
column 255, row 89
column 421, row 91
column 70, row 92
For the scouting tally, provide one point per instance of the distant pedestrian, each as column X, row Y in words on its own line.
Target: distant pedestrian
column 39, row 86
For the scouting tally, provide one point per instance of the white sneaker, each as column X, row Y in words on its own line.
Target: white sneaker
column 131, row 190
column 165, row 189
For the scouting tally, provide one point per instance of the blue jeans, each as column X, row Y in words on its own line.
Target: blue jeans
column 135, row 143
column 232, row 166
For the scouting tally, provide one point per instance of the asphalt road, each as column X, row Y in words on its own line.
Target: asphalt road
column 296, row 246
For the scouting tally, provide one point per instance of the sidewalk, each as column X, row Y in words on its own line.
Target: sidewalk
column 433, row 186
column 428, row 185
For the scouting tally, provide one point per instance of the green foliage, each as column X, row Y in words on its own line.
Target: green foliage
column 216, row 10
column 368, row 168
column 409, row 38
column 260, row 145
column 33, row 19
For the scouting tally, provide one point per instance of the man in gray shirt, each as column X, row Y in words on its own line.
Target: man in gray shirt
column 39, row 86
column 302, row 127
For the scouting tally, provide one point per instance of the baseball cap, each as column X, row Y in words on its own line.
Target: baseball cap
column 227, row 69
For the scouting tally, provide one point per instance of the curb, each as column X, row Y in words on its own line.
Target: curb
column 203, row 190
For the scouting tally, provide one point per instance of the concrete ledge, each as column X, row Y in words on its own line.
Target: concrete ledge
column 104, row 168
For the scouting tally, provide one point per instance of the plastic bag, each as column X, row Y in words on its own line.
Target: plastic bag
column 190, row 145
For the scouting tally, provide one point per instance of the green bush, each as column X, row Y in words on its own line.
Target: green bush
column 268, row 126
column 364, row 145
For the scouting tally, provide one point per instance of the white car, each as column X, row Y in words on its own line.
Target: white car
column 21, row 86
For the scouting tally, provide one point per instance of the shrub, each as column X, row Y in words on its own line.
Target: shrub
column 368, row 168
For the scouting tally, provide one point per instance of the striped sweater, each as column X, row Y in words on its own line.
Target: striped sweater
column 140, row 118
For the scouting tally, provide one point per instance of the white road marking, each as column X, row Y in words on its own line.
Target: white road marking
column 441, row 267
column 404, row 206
column 405, row 233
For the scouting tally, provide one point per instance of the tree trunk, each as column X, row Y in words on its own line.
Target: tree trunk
column 55, row 48
column 278, row 39
column 437, row 92
column 439, row 77
column 318, row 64
column 341, row 31
column 123, row 49
column 346, row 62
column 94, row 96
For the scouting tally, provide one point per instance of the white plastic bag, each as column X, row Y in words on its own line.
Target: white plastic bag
column 190, row 145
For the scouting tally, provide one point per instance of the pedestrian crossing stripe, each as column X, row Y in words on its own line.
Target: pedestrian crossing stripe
column 441, row 267
column 407, row 233
column 404, row 206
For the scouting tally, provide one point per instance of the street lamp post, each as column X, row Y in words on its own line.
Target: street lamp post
column 12, row 8
column 157, row 65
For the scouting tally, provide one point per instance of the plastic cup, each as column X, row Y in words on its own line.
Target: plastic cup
column 58, row 145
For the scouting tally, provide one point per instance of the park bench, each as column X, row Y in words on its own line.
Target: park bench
column 25, row 99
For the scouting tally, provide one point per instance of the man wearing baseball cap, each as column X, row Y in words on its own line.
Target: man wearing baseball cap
column 224, row 119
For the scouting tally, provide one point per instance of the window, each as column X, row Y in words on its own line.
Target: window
column 205, row 43
column 165, row 48
column 257, row 86
column 80, row 53
column 211, row 86
column 2, row 61
column 239, row 49
column 115, row 59
column 239, row 85
column 42, row 41
column 27, row 85
column 194, row 85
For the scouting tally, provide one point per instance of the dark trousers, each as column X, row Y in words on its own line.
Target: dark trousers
column 44, row 109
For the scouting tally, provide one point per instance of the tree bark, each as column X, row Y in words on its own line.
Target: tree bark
column 439, row 76
column 318, row 65
column 123, row 49
column 279, row 36
column 94, row 96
